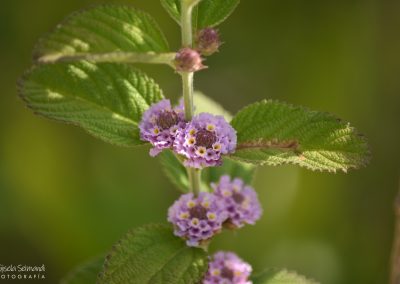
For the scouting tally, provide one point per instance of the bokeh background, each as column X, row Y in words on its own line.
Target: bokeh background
column 65, row 196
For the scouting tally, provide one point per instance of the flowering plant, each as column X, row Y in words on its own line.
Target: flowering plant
column 83, row 75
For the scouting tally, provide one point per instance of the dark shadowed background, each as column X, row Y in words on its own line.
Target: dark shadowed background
column 65, row 196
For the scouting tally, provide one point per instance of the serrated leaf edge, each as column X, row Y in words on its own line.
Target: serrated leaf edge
column 366, row 160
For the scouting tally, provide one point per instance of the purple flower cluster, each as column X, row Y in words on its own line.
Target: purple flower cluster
column 160, row 125
column 197, row 219
column 204, row 140
column 240, row 201
column 227, row 268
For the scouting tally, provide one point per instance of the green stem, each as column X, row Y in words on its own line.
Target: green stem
column 187, row 82
column 194, row 180
column 187, row 88
column 186, row 21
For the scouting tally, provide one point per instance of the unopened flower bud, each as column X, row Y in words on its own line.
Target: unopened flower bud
column 207, row 41
column 188, row 60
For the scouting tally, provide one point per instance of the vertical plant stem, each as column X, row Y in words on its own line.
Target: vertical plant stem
column 187, row 88
column 187, row 82
column 195, row 180
column 395, row 274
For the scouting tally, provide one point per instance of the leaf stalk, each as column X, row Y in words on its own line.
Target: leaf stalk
column 115, row 57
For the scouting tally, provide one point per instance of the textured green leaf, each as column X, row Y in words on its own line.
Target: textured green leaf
column 152, row 254
column 275, row 133
column 103, row 29
column 107, row 100
column 86, row 273
column 276, row 276
column 210, row 13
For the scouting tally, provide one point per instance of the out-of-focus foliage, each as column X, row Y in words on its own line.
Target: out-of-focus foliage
column 276, row 276
column 66, row 197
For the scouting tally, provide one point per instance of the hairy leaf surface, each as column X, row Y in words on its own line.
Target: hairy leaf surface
column 152, row 254
column 275, row 133
column 107, row 100
column 102, row 29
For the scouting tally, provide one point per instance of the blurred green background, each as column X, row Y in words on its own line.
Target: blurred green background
column 65, row 196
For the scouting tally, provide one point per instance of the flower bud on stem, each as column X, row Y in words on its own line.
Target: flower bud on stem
column 207, row 41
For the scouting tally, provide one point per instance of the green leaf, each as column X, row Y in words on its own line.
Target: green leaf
column 213, row 12
column 174, row 170
column 152, row 254
column 173, row 7
column 86, row 273
column 275, row 133
column 107, row 100
column 102, row 29
column 210, row 13
column 276, row 276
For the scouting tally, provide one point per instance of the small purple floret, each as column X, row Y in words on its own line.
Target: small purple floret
column 160, row 125
column 240, row 201
column 204, row 140
column 197, row 219
column 227, row 268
